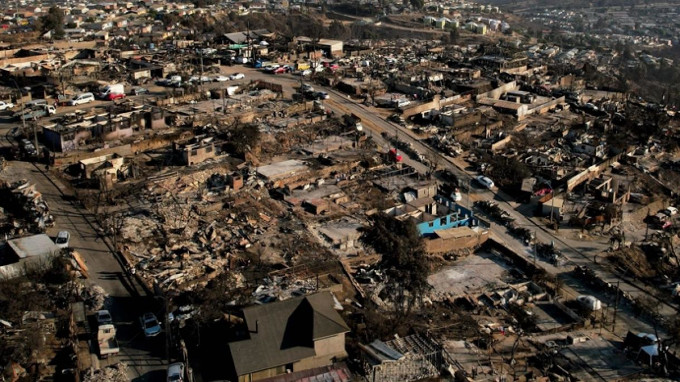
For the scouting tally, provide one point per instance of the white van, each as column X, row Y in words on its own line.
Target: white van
column 81, row 99
column 484, row 181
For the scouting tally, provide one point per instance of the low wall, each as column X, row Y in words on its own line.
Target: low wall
column 440, row 245
column 499, row 91
column 591, row 172
column 411, row 111
column 544, row 108
column 74, row 157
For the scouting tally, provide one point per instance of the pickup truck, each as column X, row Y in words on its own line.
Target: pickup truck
column 36, row 112
column 106, row 339
column 5, row 105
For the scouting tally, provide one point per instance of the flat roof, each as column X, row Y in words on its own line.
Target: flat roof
column 32, row 246
column 279, row 170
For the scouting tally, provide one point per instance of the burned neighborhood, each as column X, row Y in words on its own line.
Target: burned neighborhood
column 339, row 191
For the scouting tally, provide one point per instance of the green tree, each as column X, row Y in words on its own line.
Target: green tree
column 453, row 35
column 244, row 138
column 417, row 4
column 338, row 30
column 508, row 172
column 53, row 21
column 403, row 256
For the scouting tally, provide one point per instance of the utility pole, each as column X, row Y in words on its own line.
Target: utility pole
column 616, row 306
column 21, row 98
column 168, row 329
column 200, row 80
column 35, row 134
column 535, row 249
column 647, row 227
column 552, row 206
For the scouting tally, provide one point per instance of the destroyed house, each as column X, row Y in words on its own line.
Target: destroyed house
column 403, row 359
column 93, row 167
column 289, row 336
column 433, row 214
column 21, row 255
column 61, row 139
column 197, row 151
column 67, row 135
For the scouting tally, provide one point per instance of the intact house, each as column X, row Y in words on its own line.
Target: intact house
column 445, row 225
column 288, row 336
column 433, row 214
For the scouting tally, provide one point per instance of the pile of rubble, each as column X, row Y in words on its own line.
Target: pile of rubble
column 25, row 210
column 94, row 296
column 114, row 373
column 191, row 232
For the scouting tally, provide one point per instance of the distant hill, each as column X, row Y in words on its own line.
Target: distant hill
column 566, row 4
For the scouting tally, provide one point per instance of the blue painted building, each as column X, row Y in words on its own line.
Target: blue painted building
column 433, row 214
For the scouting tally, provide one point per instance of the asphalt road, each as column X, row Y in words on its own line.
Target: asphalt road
column 127, row 298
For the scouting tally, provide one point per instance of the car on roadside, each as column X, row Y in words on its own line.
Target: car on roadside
column 199, row 79
column 237, row 76
column 306, row 72
column 137, row 90
column 271, row 68
column 485, row 181
column 62, row 240
column 28, row 147
column 36, row 102
column 176, row 372
column 221, row 78
column 104, row 318
column 5, row 105
column 670, row 211
column 321, row 95
column 150, row 324
column 81, row 99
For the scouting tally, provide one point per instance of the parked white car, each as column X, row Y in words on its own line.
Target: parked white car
column 6, row 105
column 485, row 181
column 237, row 76
column 104, row 318
column 176, row 372
column 81, row 99
column 670, row 211
column 221, row 78
column 62, row 239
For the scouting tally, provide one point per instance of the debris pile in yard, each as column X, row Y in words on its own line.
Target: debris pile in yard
column 632, row 260
column 189, row 231
column 95, row 297
column 114, row 373
column 24, row 209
